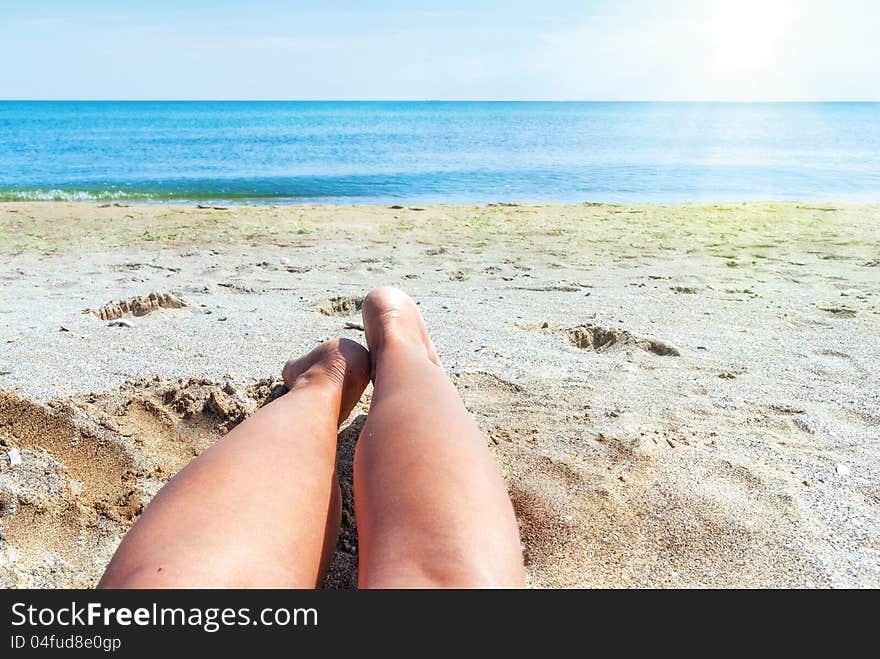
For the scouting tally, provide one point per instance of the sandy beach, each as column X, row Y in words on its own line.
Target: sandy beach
column 677, row 396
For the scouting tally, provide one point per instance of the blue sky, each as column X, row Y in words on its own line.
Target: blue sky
column 547, row 49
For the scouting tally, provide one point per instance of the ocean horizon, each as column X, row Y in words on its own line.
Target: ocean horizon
column 345, row 152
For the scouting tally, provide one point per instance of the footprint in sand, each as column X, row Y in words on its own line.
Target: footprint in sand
column 342, row 306
column 839, row 311
column 137, row 306
column 603, row 339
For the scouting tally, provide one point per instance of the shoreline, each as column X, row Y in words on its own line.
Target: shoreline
column 677, row 395
column 149, row 199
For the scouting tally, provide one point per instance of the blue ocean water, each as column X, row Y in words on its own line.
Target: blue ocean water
column 379, row 152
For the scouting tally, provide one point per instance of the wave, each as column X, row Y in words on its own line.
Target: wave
column 72, row 195
column 604, row 182
column 232, row 190
column 57, row 194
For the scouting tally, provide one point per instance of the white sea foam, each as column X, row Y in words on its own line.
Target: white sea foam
column 68, row 195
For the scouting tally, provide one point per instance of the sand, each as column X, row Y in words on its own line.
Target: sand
column 677, row 396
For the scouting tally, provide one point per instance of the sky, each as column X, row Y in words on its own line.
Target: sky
column 669, row 50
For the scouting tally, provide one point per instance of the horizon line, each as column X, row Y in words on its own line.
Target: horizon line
column 421, row 100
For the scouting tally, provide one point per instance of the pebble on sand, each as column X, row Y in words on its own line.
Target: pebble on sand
column 843, row 469
column 14, row 456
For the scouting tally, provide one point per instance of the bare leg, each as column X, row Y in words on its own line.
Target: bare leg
column 261, row 507
column 432, row 510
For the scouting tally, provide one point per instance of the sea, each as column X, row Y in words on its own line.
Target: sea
column 437, row 152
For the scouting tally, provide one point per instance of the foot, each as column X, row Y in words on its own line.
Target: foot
column 341, row 363
column 392, row 317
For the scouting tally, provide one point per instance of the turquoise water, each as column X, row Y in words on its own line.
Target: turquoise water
column 352, row 152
